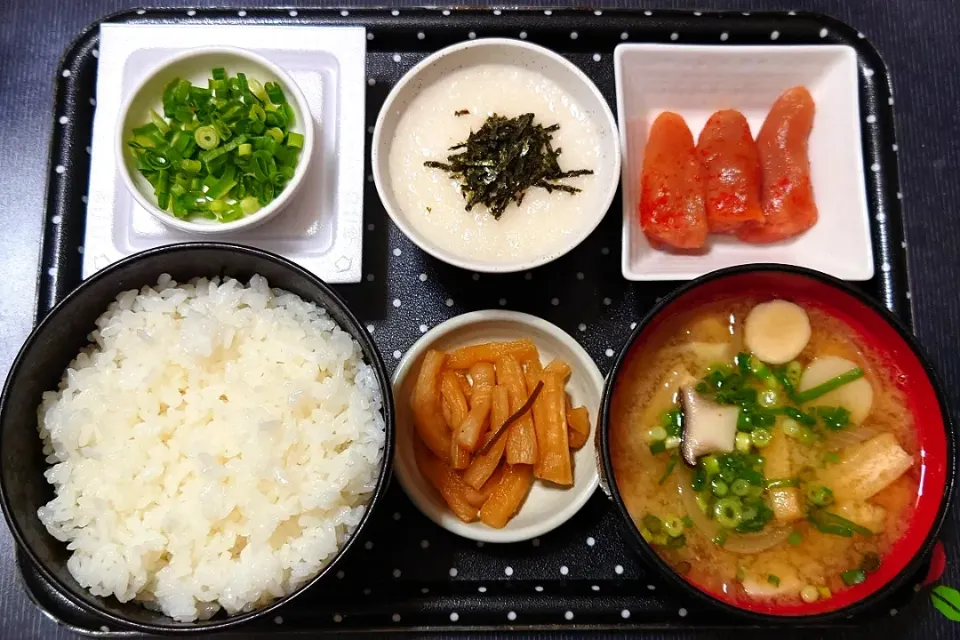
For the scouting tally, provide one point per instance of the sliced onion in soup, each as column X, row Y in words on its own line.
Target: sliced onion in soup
column 735, row 542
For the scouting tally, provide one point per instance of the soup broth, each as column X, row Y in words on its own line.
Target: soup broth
column 834, row 494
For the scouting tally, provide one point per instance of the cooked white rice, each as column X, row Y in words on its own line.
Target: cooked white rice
column 214, row 447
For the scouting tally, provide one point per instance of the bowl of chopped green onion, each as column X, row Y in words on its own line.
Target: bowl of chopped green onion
column 214, row 140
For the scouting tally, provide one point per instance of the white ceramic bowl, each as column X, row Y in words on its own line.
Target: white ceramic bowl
column 547, row 507
column 196, row 66
column 697, row 80
column 506, row 52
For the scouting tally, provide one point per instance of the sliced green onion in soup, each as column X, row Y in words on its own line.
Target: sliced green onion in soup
column 853, row 577
column 652, row 523
column 728, row 512
column 674, row 526
column 820, row 495
column 834, row 383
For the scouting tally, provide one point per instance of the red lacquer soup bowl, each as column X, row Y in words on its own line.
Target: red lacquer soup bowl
column 903, row 360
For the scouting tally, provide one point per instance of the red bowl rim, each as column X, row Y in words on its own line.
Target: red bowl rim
column 609, row 484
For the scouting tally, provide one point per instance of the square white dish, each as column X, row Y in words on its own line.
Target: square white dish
column 322, row 228
column 695, row 81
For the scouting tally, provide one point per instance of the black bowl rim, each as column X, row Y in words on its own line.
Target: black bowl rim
column 355, row 328
column 646, row 551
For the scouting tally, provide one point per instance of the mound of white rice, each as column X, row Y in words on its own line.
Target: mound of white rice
column 214, row 447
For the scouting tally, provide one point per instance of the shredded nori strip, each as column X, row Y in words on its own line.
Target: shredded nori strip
column 461, row 112
column 504, row 158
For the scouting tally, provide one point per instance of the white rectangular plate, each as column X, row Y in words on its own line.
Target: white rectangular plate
column 695, row 81
column 322, row 228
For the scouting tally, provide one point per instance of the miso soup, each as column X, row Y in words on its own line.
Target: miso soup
column 763, row 451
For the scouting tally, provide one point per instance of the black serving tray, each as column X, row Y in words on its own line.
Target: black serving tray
column 406, row 573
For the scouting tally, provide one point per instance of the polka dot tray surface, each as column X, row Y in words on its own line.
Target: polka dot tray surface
column 407, row 572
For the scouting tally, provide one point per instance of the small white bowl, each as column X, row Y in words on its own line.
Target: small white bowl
column 547, row 507
column 196, row 66
column 501, row 51
column 697, row 80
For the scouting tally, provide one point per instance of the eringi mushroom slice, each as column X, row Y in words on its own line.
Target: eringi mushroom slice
column 708, row 427
column 776, row 331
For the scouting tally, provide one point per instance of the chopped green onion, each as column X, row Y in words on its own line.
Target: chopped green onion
column 211, row 154
column 218, row 206
column 703, row 503
column 802, row 434
column 767, row 398
column 795, row 538
column 761, row 437
column 672, row 442
column 782, row 483
column 670, row 465
column 826, row 522
column 774, row 580
column 257, row 89
column 719, row 488
column 794, row 371
column 780, row 374
column 853, row 577
column 720, row 539
column 809, row 594
column 257, row 113
column 759, row 369
column 656, row 434
column 831, row 457
column 728, row 512
column 206, row 137
column 711, row 464
column 249, row 205
column 801, row 417
column 264, row 166
column 820, row 496
column 295, row 140
column 791, row 427
column 743, row 442
column 159, row 122
column 658, row 447
column 673, row 526
column 826, row 387
column 652, row 523
column 225, row 184
column 834, row 418
column 672, row 422
column 824, row 592
column 687, row 521
column 275, row 93
column 740, row 487
column 676, row 542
